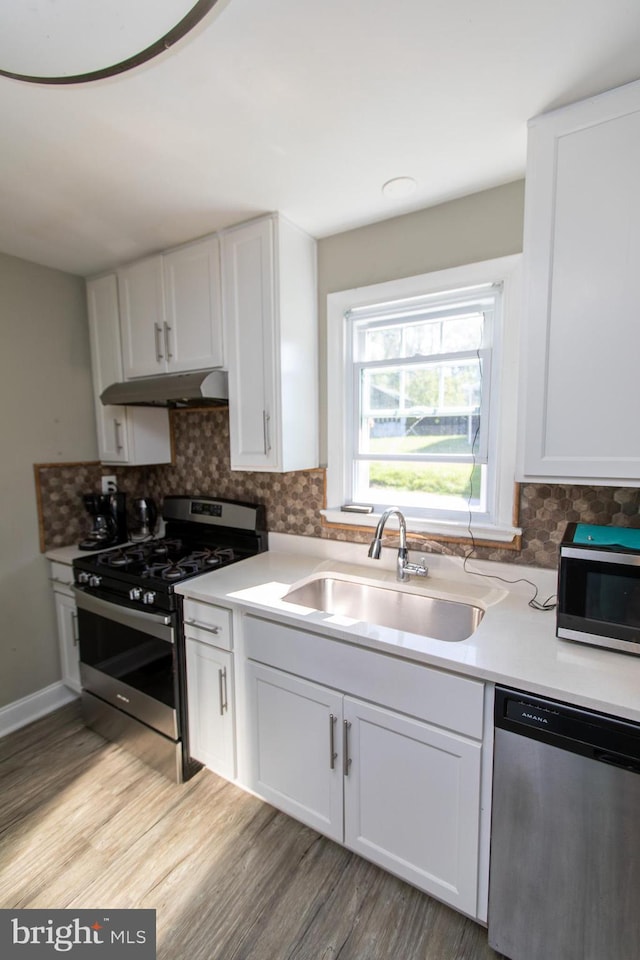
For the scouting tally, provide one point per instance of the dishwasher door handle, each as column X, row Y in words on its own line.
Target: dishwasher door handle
column 617, row 760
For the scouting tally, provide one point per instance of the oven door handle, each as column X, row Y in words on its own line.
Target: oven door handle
column 156, row 624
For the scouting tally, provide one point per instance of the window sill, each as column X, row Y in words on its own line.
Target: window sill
column 505, row 536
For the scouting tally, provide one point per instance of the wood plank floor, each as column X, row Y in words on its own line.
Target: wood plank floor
column 83, row 824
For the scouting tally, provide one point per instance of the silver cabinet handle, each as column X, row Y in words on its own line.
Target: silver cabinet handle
column 332, row 743
column 158, row 335
column 203, row 626
column 74, row 621
column 222, row 689
column 265, row 426
column 346, row 759
column 167, row 342
column 117, row 426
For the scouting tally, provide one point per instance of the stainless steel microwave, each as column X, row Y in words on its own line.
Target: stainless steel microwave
column 599, row 586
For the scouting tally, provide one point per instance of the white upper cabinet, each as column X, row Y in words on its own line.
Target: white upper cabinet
column 127, row 435
column 106, row 364
column 170, row 311
column 582, row 249
column 193, row 322
column 271, row 344
column 142, row 318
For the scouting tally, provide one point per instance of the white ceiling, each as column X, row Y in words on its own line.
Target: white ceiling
column 299, row 106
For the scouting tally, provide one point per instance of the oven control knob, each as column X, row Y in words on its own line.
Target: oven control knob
column 95, row 580
column 135, row 593
column 148, row 596
column 83, row 577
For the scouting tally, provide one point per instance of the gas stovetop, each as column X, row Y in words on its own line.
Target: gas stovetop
column 202, row 534
column 162, row 562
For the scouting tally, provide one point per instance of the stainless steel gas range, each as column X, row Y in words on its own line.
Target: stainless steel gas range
column 132, row 659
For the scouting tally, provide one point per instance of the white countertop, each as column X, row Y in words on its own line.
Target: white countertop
column 514, row 644
column 66, row 554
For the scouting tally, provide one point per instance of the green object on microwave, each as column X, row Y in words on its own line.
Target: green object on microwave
column 596, row 535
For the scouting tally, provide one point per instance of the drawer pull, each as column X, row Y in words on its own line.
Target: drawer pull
column 167, row 342
column 332, row 743
column 222, row 690
column 203, row 626
column 117, row 426
column 266, row 420
column 346, row 759
column 158, row 334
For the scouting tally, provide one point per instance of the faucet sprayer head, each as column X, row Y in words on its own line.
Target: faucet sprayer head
column 375, row 548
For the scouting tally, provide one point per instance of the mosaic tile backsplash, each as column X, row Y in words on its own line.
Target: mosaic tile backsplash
column 293, row 500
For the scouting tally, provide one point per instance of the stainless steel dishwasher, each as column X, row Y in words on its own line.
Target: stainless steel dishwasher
column 565, row 841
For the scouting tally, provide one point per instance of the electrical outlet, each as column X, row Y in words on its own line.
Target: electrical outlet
column 109, row 484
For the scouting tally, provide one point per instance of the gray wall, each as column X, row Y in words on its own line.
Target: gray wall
column 478, row 227
column 46, row 415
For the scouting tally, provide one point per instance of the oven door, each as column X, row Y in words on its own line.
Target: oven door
column 128, row 658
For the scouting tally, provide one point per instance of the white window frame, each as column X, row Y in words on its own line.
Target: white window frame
column 502, row 432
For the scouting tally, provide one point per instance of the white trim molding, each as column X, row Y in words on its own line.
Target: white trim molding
column 502, row 440
column 35, row 705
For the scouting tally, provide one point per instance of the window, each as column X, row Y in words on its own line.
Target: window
column 422, row 397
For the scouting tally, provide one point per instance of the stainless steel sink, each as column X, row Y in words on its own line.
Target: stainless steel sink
column 383, row 605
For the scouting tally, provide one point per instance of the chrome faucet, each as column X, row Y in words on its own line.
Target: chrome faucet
column 404, row 568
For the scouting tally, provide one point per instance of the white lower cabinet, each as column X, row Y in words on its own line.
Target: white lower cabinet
column 294, row 758
column 412, row 801
column 67, row 623
column 210, row 705
column 210, row 687
column 399, row 790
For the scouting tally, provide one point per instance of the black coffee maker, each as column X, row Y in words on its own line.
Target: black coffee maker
column 108, row 514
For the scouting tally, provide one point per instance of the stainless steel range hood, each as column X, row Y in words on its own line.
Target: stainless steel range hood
column 203, row 389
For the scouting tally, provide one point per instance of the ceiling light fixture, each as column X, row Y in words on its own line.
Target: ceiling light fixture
column 75, row 41
column 399, row 187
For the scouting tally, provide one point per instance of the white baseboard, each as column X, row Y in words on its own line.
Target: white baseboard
column 21, row 712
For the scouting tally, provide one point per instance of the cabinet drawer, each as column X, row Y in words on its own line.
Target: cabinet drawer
column 207, row 623
column 436, row 696
column 61, row 574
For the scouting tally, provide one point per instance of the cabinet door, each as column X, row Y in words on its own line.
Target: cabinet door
column 106, row 365
column 249, row 326
column 193, row 321
column 210, row 702
column 412, row 801
column 67, row 620
column 295, row 749
column 142, row 318
column 582, row 247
